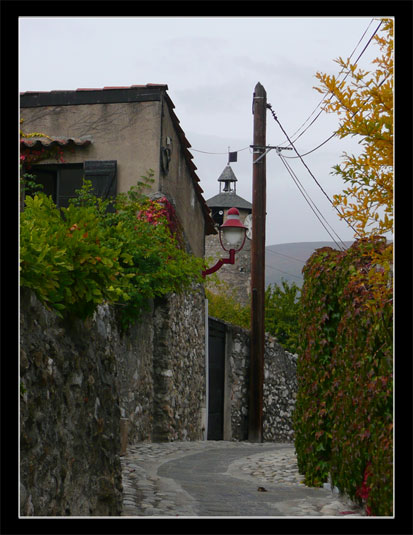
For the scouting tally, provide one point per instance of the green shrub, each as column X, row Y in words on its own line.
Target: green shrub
column 77, row 257
column 343, row 416
column 64, row 257
column 282, row 307
column 224, row 305
column 281, row 311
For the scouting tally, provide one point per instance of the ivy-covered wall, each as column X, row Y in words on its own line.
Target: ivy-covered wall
column 344, row 414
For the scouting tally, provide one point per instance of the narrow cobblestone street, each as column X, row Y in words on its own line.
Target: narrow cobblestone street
column 220, row 478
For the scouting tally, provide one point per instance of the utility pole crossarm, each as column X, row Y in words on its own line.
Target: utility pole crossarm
column 268, row 147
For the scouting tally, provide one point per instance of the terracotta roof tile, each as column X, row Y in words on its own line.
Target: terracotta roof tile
column 141, row 86
column 61, row 141
column 116, row 87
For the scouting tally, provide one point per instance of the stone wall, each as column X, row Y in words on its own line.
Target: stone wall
column 69, row 416
column 279, row 390
column 134, row 379
column 179, row 368
column 79, row 378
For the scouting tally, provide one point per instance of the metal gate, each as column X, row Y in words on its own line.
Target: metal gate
column 216, row 365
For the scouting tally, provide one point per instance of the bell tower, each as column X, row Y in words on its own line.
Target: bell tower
column 237, row 277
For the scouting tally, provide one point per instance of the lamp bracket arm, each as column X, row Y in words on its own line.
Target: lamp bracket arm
column 220, row 263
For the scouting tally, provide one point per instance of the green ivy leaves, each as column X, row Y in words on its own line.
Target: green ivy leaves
column 78, row 257
column 343, row 416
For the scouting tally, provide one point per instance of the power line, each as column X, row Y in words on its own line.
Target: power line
column 206, row 152
column 285, row 272
column 286, row 255
column 332, row 94
column 308, row 169
column 309, row 202
column 312, row 150
column 337, row 131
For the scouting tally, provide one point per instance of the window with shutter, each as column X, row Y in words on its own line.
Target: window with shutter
column 102, row 174
column 62, row 180
column 59, row 180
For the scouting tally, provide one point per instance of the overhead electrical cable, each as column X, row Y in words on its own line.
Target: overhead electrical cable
column 322, row 100
column 286, row 255
column 337, row 131
column 308, row 169
column 286, row 272
column 316, row 108
column 311, row 204
column 205, row 152
column 332, row 94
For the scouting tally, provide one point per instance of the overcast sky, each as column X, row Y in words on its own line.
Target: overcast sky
column 211, row 66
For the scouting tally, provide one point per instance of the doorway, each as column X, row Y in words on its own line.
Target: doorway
column 216, row 365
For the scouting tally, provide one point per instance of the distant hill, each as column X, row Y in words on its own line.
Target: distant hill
column 286, row 260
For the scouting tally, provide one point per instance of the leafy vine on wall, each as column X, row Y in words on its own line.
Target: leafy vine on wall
column 344, row 413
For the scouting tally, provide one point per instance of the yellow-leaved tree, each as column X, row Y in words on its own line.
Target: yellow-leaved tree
column 364, row 103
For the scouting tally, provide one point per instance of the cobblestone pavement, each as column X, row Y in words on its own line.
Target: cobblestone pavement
column 220, row 478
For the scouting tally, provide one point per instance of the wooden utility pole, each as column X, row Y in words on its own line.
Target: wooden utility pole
column 259, row 193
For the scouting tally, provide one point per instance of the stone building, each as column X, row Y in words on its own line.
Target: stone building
column 237, row 277
column 114, row 136
column 153, row 379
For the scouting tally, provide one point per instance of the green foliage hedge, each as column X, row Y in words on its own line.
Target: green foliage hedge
column 78, row 257
column 224, row 305
column 282, row 306
column 281, row 311
column 343, row 417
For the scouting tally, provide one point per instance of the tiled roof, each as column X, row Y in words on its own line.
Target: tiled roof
column 37, row 142
column 227, row 174
column 228, row 200
column 160, row 86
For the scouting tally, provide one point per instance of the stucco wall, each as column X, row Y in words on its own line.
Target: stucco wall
column 130, row 133
column 178, row 183
column 126, row 132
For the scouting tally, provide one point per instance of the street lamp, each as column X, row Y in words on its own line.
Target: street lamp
column 233, row 232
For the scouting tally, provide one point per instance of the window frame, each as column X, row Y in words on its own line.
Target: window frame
column 57, row 170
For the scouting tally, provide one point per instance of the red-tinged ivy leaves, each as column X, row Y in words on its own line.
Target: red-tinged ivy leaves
column 73, row 270
column 346, row 349
column 161, row 211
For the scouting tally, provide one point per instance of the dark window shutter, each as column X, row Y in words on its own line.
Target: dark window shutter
column 102, row 174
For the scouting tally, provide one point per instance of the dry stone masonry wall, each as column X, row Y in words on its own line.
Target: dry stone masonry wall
column 69, row 416
column 179, row 368
column 279, row 391
column 80, row 378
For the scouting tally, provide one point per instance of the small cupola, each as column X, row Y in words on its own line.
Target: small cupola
column 227, row 197
column 227, row 181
